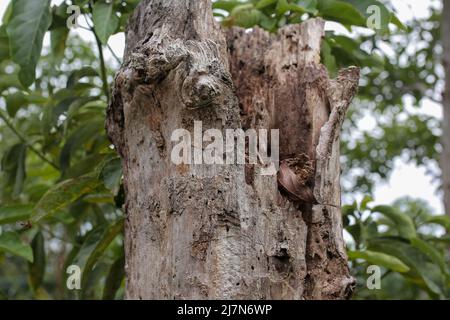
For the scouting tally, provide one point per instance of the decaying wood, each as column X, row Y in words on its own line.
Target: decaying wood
column 226, row 231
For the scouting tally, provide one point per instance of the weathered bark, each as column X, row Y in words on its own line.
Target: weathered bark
column 445, row 158
column 225, row 231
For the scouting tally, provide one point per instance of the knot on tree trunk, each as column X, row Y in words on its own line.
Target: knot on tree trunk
column 200, row 77
column 197, row 77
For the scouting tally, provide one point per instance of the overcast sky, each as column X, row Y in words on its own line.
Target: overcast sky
column 407, row 179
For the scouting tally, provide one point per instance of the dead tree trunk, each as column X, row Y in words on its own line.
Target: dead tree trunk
column 445, row 159
column 226, row 231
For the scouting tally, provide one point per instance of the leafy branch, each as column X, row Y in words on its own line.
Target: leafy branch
column 101, row 57
column 25, row 141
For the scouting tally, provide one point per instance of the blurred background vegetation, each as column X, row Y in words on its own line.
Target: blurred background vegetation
column 60, row 188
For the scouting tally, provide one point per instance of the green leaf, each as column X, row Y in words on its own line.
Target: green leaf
column 98, row 198
column 403, row 223
column 9, row 81
column 95, row 244
column 442, row 220
column 85, row 165
column 430, row 251
column 13, row 214
column 309, row 6
column 60, row 16
column 58, row 38
column 29, row 22
column 395, row 20
column 365, row 201
column 419, row 263
column 51, row 114
column 75, row 91
column 268, row 23
column 114, row 278
column 36, row 269
column 379, row 258
column 61, row 195
column 328, row 59
column 13, row 164
column 108, row 236
column 364, row 5
column 111, row 174
column 78, row 104
column 4, row 44
column 77, row 75
column 349, row 209
column 245, row 16
column 226, row 5
column 265, row 3
column 14, row 102
column 348, row 51
column 283, row 6
column 91, row 286
column 71, row 256
column 357, row 231
column 81, row 135
column 11, row 242
column 7, row 15
column 105, row 20
column 341, row 11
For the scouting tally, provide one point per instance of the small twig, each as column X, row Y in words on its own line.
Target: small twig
column 101, row 57
column 29, row 146
column 119, row 61
column 52, row 234
column 102, row 66
column 84, row 28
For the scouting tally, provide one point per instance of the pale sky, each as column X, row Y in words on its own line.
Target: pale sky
column 407, row 179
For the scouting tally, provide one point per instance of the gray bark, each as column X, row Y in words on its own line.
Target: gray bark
column 225, row 231
column 445, row 158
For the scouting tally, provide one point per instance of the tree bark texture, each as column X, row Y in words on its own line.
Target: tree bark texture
column 445, row 158
column 226, row 231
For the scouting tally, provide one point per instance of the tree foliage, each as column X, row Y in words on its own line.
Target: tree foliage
column 407, row 242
